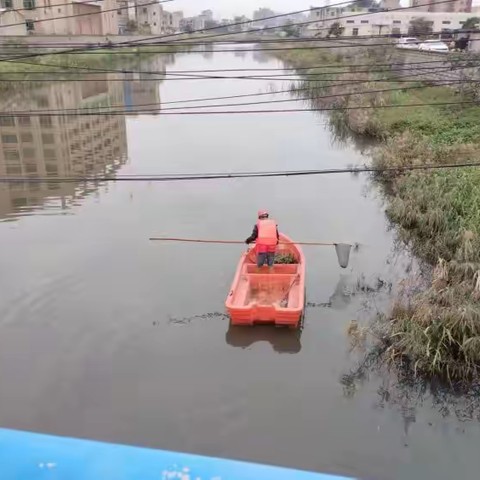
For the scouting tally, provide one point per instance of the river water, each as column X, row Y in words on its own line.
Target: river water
column 105, row 335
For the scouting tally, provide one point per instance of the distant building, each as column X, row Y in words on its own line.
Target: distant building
column 70, row 18
column 191, row 24
column 149, row 17
column 167, row 22
column 390, row 4
column 382, row 22
column 176, row 18
column 457, row 6
column 125, row 14
column 207, row 14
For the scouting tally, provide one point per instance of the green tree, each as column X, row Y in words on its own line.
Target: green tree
column 290, row 29
column 420, row 27
column 471, row 23
column 335, row 29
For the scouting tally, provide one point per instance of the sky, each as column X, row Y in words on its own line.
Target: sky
column 229, row 8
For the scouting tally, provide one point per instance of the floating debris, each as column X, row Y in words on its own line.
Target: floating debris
column 186, row 320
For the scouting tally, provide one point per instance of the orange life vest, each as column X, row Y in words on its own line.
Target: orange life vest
column 267, row 235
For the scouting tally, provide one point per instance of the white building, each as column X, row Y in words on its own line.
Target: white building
column 191, row 24
column 176, row 18
column 166, row 25
column 381, row 23
column 149, row 17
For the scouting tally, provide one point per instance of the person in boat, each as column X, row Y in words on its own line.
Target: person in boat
column 265, row 235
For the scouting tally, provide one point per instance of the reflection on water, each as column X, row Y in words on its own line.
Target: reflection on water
column 68, row 146
column 283, row 340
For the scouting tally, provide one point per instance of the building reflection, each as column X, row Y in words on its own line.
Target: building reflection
column 65, row 146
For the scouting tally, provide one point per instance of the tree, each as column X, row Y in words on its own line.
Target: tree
column 335, row 29
column 131, row 26
column 365, row 3
column 420, row 27
column 471, row 23
column 211, row 24
column 290, row 29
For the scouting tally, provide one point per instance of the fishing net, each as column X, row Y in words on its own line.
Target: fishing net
column 343, row 253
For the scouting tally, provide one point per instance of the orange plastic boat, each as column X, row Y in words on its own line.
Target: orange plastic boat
column 276, row 297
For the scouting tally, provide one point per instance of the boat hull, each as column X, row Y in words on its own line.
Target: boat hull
column 261, row 296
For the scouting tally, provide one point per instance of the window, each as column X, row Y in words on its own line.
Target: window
column 43, row 102
column 119, row 12
column 46, row 121
column 59, row 10
column 397, row 21
column 144, row 10
column 154, row 13
column 13, row 170
column 461, row 23
column 49, row 154
column 28, row 153
column 354, row 32
column 7, row 122
column 6, row 3
column 51, row 169
column 29, row 25
column 9, row 139
column 446, row 22
column 24, row 121
column 155, row 24
column 29, row 4
column 350, row 21
column 26, row 137
column 30, row 168
column 364, row 21
column 48, row 138
column 11, row 154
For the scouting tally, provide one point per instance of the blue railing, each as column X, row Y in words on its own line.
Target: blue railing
column 33, row 456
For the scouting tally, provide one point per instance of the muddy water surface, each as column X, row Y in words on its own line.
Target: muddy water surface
column 105, row 335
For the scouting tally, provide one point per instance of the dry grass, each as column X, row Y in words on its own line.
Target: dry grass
column 435, row 331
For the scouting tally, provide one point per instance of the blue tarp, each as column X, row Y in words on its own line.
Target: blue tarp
column 33, row 456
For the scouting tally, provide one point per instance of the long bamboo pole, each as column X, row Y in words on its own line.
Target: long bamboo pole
column 236, row 242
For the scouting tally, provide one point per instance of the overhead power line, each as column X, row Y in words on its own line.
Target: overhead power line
column 315, row 79
column 228, row 50
column 82, row 14
column 226, row 175
column 276, row 77
column 313, row 98
column 96, row 71
column 141, row 41
column 183, row 42
column 110, row 70
column 240, row 112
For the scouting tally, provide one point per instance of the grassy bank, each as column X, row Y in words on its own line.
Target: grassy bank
column 435, row 332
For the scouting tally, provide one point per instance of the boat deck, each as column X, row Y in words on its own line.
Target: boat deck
column 268, row 296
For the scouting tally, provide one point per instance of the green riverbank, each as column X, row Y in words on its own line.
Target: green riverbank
column 435, row 331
